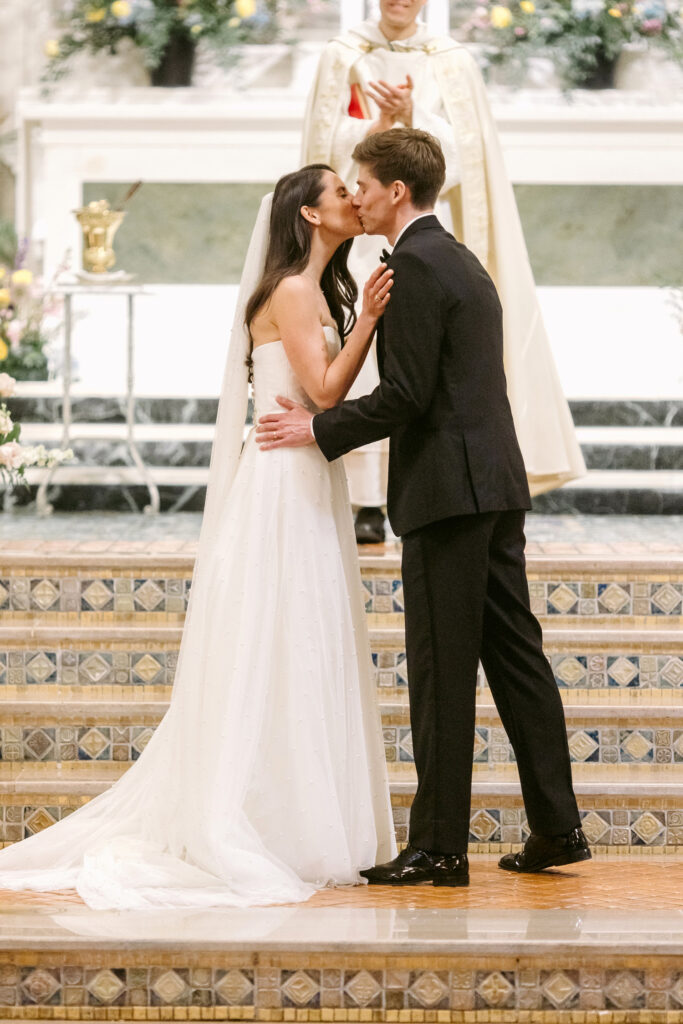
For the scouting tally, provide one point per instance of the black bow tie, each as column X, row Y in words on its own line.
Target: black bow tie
column 385, row 256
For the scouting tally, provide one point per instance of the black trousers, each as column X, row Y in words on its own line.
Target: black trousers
column 467, row 599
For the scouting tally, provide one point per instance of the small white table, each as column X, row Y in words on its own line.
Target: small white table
column 128, row 292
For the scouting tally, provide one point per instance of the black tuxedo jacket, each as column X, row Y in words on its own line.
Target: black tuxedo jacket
column 442, row 396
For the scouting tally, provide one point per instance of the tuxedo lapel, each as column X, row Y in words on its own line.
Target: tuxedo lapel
column 421, row 224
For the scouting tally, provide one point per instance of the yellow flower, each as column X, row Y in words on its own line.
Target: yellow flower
column 615, row 12
column 234, row 22
column 245, row 8
column 51, row 48
column 527, row 6
column 4, row 351
column 3, row 271
column 22, row 278
column 96, row 14
column 500, row 16
column 195, row 30
column 120, row 8
column 5, row 297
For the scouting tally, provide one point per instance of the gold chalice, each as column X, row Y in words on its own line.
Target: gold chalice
column 99, row 224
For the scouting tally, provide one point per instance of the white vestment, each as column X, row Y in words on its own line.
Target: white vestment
column 477, row 204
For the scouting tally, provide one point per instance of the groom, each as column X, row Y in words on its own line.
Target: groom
column 457, row 497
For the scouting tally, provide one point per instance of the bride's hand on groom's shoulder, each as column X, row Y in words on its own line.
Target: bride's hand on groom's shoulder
column 290, row 428
column 377, row 292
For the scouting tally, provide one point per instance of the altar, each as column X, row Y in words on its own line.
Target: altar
column 199, row 135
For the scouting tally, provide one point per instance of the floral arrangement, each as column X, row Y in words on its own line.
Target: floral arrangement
column 29, row 314
column 583, row 38
column 15, row 457
column 101, row 25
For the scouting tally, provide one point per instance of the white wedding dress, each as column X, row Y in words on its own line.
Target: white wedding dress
column 266, row 779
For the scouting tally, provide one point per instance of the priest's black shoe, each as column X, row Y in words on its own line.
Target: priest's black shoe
column 370, row 526
column 413, row 867
column 542, row 852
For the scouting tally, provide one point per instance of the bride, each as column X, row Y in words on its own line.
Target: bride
column 266, row 779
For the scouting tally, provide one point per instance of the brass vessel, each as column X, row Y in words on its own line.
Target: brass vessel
column 99, row 223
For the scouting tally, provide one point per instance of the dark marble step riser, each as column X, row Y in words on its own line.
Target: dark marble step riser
column 198, row 453
column 590, row 412
column 615, row 823
column 190, row 498
column 596, row 744
column 609, row 502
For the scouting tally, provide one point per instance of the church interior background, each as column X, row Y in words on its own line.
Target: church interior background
column 94, row 583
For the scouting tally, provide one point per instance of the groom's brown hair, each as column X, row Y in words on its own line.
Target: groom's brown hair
column 408, row 155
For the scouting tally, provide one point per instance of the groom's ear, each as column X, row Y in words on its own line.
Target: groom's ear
column 398, row 191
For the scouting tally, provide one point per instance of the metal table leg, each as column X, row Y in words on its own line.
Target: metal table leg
column 44, row 508
column 153, row 506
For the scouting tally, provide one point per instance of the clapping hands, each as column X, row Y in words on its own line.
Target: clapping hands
column 395, row 103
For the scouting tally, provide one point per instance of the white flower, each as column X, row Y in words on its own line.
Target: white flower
column 6, row 385
column 5, row 420
column 587, row 8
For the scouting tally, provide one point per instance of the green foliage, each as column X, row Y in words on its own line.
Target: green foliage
column 583, row 38
column 8, row 243
column 95, row 26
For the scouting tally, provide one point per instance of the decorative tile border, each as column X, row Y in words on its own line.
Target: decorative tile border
column 334, row 987
column 72, row 666
column 139, row 592
column 101, row 595
column 581, row 598
column 124, row 742
column 495, row 824
column 149, row 664
column 611, row 670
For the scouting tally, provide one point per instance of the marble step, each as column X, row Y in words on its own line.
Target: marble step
column 189, row 444
column 617, row 492
column 627, row 809
column 40, row 401
column 415, row 957
column 622, row 669
column 121, row 586
column 79, row 487
column 46, row 731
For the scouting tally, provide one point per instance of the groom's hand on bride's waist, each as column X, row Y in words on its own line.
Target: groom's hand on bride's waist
column 288, row 429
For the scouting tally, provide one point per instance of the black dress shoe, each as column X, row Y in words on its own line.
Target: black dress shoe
column 370, row 526
column 413, row 867
column 542, row 852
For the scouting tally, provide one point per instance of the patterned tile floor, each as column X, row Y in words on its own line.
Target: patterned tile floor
column 611, row 883
column 177, row 532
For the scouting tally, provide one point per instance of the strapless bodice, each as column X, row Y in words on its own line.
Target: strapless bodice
column 274, row 376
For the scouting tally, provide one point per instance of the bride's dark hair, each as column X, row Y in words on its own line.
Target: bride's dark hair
column 289, row 250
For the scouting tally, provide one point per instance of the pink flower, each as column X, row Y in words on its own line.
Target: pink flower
column 6, row 385
column 520, row 32
column 11, row 456
column 651, row 26
column 14, row 330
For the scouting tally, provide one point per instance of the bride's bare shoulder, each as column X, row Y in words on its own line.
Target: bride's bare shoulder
column 295, row 288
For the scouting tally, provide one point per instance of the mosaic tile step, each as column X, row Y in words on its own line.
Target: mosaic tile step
column 120, row 585
column 109, row 661
column 634, row 810
column 118, row 731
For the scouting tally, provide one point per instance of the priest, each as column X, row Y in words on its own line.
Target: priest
column 395, row 71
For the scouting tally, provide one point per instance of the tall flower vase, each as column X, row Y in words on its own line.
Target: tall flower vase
column 601, row 76
column 177, row 63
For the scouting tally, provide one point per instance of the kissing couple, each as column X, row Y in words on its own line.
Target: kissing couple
column 266, row 779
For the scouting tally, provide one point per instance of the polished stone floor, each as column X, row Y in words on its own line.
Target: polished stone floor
column 124, row 531
column 607, row 883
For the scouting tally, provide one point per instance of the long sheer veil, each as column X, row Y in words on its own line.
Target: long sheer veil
column 232, row 407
